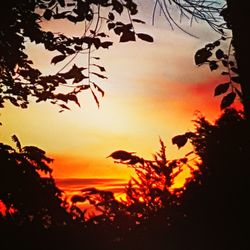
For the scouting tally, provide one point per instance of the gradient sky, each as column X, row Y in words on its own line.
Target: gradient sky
column 153, row 90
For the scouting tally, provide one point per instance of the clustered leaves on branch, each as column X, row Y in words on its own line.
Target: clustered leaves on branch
column 216, row 15
column 20, row 22
column 216, row 57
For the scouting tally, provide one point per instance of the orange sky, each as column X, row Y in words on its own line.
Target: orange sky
column 152, row 91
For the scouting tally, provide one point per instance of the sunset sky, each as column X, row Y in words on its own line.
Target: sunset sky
column 153, row 90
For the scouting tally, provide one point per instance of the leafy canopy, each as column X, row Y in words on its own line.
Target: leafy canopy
column 20, row 22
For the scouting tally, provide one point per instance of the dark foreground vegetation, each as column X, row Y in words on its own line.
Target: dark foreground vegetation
column 209, row 212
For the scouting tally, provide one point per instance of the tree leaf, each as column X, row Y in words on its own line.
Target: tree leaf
column 99, row 89
column 216, row 43
column 121, row 155
column 209, row 46
column 70, row 4
column 47, row 14
column 61, row 2
column 180, row 140
column 24, row 105
column 131, row 6
column 225, row 63
column 236, row 79
column 227, row 100
column 16, row 140
column 221, row 89
column 97, row 42
column 44, row 96
column 138, row 20
column 72, row 19
column 62, row 97
column 201, row 56
column 99, row 75
column 219, row 54
column 102, row 34
column 100, row 67
column 58, row 59
column 111, row 26
column 235, row 70
column 239, row 93
column 51, row 3
column 78, row 47
column 13, row 100
column 213, row 65
column 111, row 16
column 117, row 6
column 75, row 72
column 145, row 37
column 79, row 78
column 74, row 98
column 64, row 106
column 127, row 36
column 96, row 99
column 106, row 45
column 118, row 30
column 61, row 15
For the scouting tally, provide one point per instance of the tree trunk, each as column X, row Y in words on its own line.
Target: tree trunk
column 239, row 14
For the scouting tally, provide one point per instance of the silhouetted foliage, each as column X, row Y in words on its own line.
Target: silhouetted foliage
column 211, row 211
column 235, row 59
column 216, row 202
column 33, row 211
column 221, row 16
column 217, row 59
column 150, row 199
column 21, row 22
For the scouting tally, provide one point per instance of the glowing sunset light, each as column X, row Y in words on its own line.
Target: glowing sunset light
column 124, row 124
column 153, row 90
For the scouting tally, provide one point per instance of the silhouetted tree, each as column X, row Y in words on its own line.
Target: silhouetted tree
column 237, row 17
column 216, row 201
column 34, row 214
column 24, row 191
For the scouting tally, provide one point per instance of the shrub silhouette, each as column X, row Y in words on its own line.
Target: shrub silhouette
column 36, row 216
column 216, row 201
column 150, row 202
column 209, row 212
